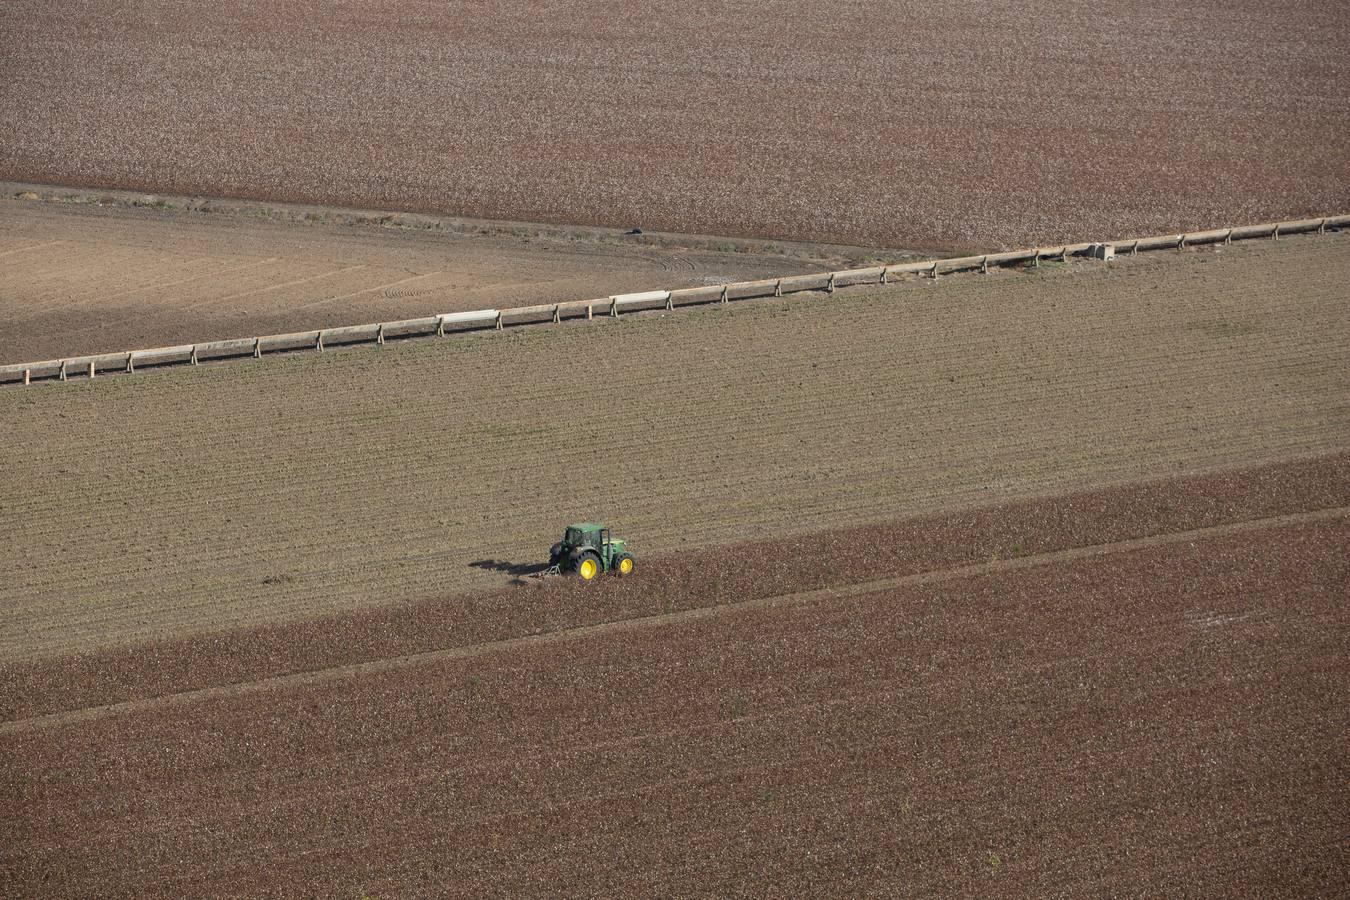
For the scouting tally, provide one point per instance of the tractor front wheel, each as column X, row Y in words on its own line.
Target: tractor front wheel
column 587, row 566
column 623, row 565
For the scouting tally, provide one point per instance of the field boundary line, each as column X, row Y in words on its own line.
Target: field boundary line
column 376, row 333
column 641, row 623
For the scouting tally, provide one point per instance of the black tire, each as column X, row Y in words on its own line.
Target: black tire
column 555, row 554
column 624, row 564
column 586, row 565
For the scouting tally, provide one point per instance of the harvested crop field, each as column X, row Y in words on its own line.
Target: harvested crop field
column 900, row 124
column 1162, row 715
column 80, row 277
column 166, row 504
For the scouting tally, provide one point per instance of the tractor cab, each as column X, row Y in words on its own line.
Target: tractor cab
column 585, row 534
column 587, row 549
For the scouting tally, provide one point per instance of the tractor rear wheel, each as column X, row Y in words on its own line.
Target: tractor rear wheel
column 623, row 564
column 587, row 566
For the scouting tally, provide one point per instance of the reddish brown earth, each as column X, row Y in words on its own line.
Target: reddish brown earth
column 1164, row 716
column 675, row 583
column 901, row 124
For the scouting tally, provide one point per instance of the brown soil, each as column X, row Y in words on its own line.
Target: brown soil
column 1166, row 719
column 186, row 501
column 731, row 577
column 910, row 126
column 83, row 278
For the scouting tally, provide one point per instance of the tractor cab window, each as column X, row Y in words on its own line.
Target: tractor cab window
column 576, row 537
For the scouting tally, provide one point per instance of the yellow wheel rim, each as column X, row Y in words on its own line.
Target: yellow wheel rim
column 625, row 567
column 587, row 569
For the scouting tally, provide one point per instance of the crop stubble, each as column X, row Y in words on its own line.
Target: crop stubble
column 899, row 124
column 231, row 496
column 1167, row 719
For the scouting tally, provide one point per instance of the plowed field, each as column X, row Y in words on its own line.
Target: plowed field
column 182, row 501
column 1163, row 715
column 80, row 278
column 901, row 124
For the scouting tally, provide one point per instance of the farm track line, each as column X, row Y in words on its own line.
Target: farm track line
column 18, row 250
column 94, row 297
column 656, row 621
column 285, row 284
column 379, row 287
column 87, row 294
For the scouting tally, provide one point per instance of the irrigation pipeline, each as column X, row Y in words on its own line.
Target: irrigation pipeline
column 128, row 361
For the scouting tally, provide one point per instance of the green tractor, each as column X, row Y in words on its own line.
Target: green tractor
column 586, row 550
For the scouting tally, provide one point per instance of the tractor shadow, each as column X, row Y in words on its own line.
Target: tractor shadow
column 509, row 568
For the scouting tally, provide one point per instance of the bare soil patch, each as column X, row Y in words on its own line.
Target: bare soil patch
column 83, row 277
column 1168, row 719
column 904, row 125
column 187, row 501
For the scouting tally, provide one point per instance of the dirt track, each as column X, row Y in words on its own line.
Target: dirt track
column 227, row 496
column 902, row 124
column 78, row 278
column 1165, row 718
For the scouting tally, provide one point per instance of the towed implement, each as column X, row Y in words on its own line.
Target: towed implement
column 586, row 550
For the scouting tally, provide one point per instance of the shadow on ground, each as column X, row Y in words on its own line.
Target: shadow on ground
column 510, row 568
